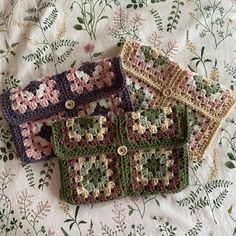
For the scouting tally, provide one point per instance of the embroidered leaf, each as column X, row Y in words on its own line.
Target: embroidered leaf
column 197, row 164
column 76, row 211
column 195, row 230
column 231, row 156
column 2, row 51
column 82, row 222
column 199, row 204
column 230, row 209
column 71, row 225
column 97, row 54
column 31, row 10
column 46, row 173
column 234, row 233
column 73, row 64
column 78, row 27
column 64, row 232
column 6, row 44
column 64, row 56
column 217, row 184
column 131, row 210
column 202, row 51
column 230, row 164
column 68, row 220
column 80, row 20
column 129, row 5
column 29, row 175
column 63, row 43
column 174, row 15
column 103, row 17
column 157, row 202
column 220, row 199
column 31, row 18
column 191, row 198
column 12, row 53
column 45, row 5
column 48, row 22
column 157, row 18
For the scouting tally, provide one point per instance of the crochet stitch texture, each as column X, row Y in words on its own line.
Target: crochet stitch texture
column 136, row 153
column 156, row 80
column 91, row 89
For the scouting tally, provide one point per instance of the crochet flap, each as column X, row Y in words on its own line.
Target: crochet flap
column 63, row 92
column 170, row 81
column 143, row 130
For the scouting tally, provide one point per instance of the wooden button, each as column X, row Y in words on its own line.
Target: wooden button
column 167, row 92
column 69, row 104
column 122, row 150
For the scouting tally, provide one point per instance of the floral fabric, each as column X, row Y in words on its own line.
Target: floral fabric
column 41, row 38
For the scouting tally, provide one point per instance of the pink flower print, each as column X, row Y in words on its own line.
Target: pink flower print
column 89, row 48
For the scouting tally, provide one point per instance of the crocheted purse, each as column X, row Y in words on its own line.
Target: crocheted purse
column 136, row 153
column 31, row 110
column 155, row 79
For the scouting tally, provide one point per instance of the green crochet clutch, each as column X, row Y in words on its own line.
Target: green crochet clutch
column 136, row 153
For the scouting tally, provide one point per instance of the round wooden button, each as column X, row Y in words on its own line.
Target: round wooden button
column 122, row 150
column 69, row 104
column 167, row 92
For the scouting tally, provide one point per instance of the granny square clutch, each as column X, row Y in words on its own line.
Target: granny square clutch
column 155, row 79
column 136, row 153
column 91, row 89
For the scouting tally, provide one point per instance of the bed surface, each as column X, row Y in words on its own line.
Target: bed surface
column 40, row 38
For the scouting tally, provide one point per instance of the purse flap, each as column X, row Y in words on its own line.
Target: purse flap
column 169, row 80
column 161, row 127
column 63, row 92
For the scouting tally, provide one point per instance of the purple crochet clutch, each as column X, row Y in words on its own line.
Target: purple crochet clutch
column 30, row 111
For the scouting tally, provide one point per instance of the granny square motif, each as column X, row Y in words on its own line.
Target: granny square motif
column 155, row 79
column 135, row 153
column 91, row 89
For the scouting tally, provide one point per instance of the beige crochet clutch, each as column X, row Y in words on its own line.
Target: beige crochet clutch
column 155, row 79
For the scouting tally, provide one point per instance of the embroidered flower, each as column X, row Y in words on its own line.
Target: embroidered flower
column 89, row 48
